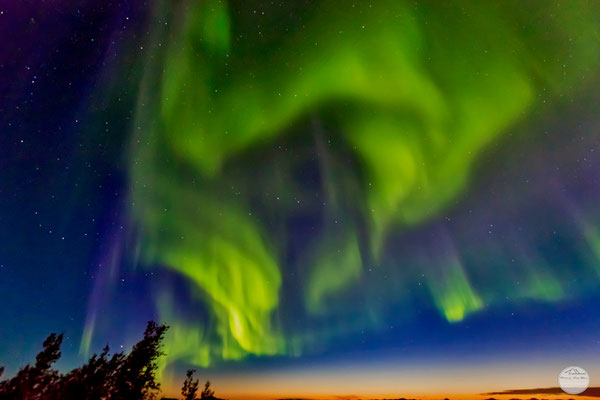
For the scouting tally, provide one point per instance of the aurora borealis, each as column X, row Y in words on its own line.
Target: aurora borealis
column 348, row 189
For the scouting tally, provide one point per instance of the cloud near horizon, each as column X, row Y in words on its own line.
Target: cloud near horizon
column 589, row 392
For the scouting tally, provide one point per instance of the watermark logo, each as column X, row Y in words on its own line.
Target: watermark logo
column 573, row 380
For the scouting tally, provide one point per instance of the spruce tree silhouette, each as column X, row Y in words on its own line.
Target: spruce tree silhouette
column 190, row 386
column 207, row 393
column 136, row 377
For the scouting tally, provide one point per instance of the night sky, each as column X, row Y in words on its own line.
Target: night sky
column 378, row 198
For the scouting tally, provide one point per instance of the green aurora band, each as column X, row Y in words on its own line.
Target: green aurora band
column 398, row 98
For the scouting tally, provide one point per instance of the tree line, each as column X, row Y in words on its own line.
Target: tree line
column 104, row 377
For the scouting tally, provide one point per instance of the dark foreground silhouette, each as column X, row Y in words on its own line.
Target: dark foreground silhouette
column 118, row 377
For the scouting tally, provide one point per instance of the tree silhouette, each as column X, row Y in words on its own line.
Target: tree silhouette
column 39, row 381
column 50, row 353
column 207, row 393
column 94, row 380
column 136, row 377
column 190, row 386
column 120, row 377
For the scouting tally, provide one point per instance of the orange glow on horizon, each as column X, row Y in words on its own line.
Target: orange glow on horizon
column 393, row 379
column 382, row 396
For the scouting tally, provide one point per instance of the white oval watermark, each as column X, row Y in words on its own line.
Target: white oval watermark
column 573, row 380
